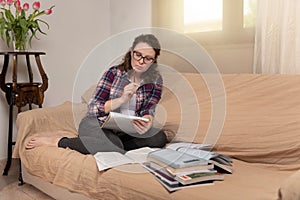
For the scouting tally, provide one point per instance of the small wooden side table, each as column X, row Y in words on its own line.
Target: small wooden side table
column 21, row 94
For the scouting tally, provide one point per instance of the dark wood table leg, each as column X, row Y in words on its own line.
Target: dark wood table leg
column 9, row 142
column 21, row 182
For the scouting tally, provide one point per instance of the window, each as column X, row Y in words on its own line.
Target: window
column 249, row 13
column 199, row 15
column 208, row 21
column 203, row 15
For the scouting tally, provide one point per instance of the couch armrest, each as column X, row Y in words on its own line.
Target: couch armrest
column 59, row 120
column 290, row 189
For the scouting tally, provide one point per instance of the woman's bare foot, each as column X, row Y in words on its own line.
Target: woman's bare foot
column 43, row 141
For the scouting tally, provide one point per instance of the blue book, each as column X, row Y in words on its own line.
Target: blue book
column 175, row 160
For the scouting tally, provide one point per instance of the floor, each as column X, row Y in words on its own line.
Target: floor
column 10, row 190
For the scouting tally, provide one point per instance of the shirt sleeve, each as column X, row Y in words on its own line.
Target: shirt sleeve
column 150, row 104
column 101, row 95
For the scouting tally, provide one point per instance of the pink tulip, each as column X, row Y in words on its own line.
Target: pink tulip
column 9, row 2
column 36, row 5
column 19, row 9
column 25, row 6
column 48, row 11
column 17, row 3
column 3, row 2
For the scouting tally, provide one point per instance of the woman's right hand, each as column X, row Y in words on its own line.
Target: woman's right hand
column 113, row 104
column 129, row 90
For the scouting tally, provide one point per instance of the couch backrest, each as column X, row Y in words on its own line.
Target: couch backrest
column 262, row 121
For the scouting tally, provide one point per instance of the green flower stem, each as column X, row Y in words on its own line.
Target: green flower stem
column 20, row 42
column 24, row 28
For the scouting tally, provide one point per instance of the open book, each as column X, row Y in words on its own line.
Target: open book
column 121, row 122
column 106, row 160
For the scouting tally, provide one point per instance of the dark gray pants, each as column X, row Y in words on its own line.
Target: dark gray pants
column 93, row 139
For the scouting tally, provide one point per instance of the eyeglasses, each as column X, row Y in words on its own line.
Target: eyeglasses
column 146, row 59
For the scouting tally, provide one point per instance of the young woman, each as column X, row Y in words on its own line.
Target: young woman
column 133, row 87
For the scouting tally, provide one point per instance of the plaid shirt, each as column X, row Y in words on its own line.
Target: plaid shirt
column 111, row 86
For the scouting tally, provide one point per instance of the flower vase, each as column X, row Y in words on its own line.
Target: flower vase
column 20, row 42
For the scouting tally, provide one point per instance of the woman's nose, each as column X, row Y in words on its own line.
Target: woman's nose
column 141, row 61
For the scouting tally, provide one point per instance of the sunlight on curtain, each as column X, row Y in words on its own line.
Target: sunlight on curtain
column 277, row 37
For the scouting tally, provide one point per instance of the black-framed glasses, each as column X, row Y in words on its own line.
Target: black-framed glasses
column 146, row 59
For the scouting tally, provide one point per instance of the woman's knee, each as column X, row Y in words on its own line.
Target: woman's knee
column 162, row 138
column 89, row 126
column 159, row 140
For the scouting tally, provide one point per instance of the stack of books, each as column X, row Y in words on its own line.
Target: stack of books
column 182, row 165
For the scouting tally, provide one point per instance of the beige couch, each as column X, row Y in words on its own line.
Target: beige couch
column 261, row 132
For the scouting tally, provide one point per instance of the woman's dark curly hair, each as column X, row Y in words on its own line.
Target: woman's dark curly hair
column 152, row 73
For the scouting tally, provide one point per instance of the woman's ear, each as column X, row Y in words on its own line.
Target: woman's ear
column 131, row 51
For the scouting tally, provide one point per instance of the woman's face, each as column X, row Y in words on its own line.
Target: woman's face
column 142, row 57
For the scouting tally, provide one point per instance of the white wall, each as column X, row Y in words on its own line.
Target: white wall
column 130, row 14
column 75, row 28
column 127, row 20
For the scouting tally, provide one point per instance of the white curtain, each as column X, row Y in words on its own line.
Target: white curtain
column 277, row 37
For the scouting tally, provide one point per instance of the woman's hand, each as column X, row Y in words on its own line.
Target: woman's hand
column 141, row 126
column 129, row 90
column 113, row 104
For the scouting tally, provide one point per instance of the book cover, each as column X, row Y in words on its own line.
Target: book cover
column 196, row 177
column 160, row 172
column 222, row 168
column 220, row 161
column 173, row 188
column 189, row 145
column 175, row 159
column 189, row 169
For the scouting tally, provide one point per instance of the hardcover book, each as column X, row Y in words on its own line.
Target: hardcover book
column 175, row 159
column 196, row 177
column 182, row 150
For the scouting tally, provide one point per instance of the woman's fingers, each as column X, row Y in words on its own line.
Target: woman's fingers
column 140, row 126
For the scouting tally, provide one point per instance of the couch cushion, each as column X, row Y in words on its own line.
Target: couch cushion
column 290, row 189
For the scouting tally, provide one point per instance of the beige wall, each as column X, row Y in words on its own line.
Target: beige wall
column 232, row 58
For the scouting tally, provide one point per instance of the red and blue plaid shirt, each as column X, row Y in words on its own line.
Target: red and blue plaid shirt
column 111, row 86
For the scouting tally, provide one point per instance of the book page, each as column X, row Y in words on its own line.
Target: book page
column 139, row 155
column 106, row 160
column 121, row 122
column 206, row 155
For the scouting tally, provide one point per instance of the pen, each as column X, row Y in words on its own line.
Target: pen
column 192, row 160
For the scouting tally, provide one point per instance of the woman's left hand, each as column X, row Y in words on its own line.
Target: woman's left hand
column 141, row 126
